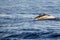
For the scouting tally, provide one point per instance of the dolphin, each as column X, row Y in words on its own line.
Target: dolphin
column 44, row 17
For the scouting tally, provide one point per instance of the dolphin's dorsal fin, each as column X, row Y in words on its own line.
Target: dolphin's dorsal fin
column 40, row 15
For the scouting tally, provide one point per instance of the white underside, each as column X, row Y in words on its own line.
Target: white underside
column 49, row 17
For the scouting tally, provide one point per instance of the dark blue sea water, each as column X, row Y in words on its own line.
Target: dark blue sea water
column 16, row 20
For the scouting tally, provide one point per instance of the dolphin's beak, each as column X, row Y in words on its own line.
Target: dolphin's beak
column 36, row 19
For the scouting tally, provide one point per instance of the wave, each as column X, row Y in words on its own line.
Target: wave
column 31, row 35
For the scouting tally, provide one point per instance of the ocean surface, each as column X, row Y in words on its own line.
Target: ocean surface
column 16, row 20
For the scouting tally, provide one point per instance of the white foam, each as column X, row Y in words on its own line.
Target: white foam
column 5, row 15
column 27, row 15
